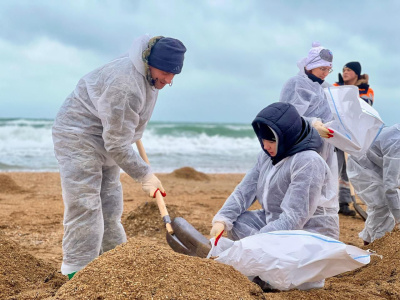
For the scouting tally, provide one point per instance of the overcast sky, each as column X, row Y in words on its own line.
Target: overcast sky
column 239, row 53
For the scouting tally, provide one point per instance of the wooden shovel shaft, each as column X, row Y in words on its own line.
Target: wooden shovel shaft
column 142, row 153
column 357, row 207
column 159, row 197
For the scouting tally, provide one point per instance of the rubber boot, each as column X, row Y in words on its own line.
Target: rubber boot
column 345, row 210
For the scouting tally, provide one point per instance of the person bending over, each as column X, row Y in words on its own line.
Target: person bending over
column 93, row 135
column 376, row 180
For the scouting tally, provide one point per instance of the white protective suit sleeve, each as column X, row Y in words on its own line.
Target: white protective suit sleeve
column 297, row 205
column 241, row 199
column 118, row 111
column 298, row 96
column 302, row 196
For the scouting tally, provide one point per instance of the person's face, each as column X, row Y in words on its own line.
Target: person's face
column 270, row 146
column 321, row 72
column 349, row 74
column 161, row 77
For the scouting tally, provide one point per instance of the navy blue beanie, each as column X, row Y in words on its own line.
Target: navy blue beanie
column 355, row 66
column 167, row 55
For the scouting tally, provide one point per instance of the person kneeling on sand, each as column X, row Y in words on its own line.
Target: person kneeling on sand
column 290, row 180
column 376, row 180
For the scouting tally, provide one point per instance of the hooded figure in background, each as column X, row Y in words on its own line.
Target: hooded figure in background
column 290, row 180
column 376, row 180
column 93, row 135
column 305, row 92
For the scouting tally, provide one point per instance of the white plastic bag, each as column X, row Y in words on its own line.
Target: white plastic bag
column 356, row 123
column 286, row 259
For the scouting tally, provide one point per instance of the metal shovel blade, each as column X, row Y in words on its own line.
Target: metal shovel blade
column 187, row 240
column 177, row 245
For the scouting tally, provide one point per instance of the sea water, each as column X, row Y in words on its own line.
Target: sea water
column 26, row 145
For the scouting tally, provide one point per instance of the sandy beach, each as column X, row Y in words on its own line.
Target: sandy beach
column 31, row 214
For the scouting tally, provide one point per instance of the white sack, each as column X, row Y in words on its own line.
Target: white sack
column 356, row 123
column 288, row 258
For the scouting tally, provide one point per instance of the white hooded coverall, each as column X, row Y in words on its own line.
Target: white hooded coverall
column 376, row 180
column 93, row 135
column 310, row 101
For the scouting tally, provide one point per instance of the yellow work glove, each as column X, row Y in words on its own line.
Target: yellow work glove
column 217, row 228
column 150, row 185
column 322, row 130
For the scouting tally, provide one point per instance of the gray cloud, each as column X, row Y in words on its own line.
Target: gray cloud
column 240, row 53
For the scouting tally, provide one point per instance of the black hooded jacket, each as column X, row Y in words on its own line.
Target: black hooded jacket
column 294, row 133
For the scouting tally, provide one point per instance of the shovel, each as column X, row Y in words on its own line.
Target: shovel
column 182, row 237
column 357, row 207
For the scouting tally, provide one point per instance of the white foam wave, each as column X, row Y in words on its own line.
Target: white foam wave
column 27, row 145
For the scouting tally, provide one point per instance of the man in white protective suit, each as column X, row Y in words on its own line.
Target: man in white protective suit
column 376, row 180
column 290, row 180
column 93, row 135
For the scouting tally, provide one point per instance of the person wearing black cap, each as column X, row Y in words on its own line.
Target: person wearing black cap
column 351, row 76
column 93, row 135
column 290, row 180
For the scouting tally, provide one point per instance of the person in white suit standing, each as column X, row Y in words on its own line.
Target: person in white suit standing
column 93, row 135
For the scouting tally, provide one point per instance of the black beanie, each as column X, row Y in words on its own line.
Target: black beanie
column 355, row 66
column 167, row 55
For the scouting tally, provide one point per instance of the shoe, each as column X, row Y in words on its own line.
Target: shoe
column 345, row 210
column 262, row 284
column 71, row 275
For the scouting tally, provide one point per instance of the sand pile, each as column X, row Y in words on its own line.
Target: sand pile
column 9, row 186
column 22, row 276
column 146, row 220
column 139, row 270
column 190, row 173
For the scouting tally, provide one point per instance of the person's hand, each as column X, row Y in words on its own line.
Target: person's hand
column 217, row 229
column 322, row 130
column 150, row 185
